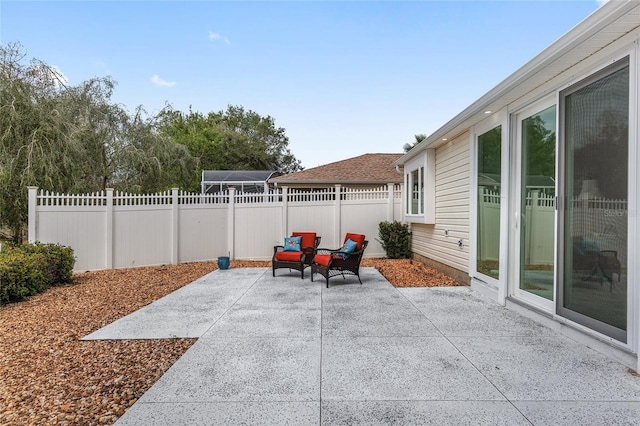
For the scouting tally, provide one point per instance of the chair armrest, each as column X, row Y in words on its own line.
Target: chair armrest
column 326, row 251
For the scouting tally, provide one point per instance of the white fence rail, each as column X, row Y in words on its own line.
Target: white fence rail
column 602, row 221
column 118, row 230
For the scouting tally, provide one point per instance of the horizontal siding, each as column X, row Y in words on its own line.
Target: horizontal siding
column 452, row 209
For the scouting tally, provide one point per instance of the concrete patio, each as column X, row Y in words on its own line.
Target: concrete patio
column 290, row 351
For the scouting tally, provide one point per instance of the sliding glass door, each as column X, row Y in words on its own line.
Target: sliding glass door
column 594, row 212
column 489, row 178
column 535, row 195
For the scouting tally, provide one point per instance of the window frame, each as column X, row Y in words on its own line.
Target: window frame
column 422, row 167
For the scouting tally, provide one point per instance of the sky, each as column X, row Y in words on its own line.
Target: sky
column 343, row 78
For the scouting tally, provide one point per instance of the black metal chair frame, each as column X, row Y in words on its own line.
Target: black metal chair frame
column 601, row 264
column 305, row 261
column 339, row 266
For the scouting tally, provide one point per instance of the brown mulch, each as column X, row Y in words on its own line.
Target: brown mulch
column 49, row 376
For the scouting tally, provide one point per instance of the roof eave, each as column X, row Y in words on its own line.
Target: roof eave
column 591, row 25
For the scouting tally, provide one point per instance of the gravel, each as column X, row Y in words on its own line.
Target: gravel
column 49, row 376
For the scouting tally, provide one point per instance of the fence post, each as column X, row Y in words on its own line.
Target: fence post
column 337, row 220
column 285, row 210
column 32, row 235
column 231, row 230
column 174, row 226
column 109, row 230
column 391, row 203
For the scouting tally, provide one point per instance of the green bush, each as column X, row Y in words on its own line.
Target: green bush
column 58, row 261
column 395, row 239
column 20, row 275
column 30, row 269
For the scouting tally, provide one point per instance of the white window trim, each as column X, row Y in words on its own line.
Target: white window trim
column 514, row 265
column 500, row 118
column 427, row 199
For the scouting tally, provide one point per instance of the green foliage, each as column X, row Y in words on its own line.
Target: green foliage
column 418, row 138
column 74, row 139
column 234, row 139
column 20, row 275
column 489, row 151
column 58, row 261
column 29, row 269
column 395, row 239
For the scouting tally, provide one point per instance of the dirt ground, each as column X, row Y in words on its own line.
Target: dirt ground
column 48, row 376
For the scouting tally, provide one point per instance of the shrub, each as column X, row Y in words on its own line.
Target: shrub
column 20, row 275
column 57, row 267
column 395, row 239
column 29, row 269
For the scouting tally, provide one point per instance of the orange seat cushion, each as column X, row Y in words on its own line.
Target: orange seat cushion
column 322, row 259
column 290, row 256
column 308, row 238
column 356, row 238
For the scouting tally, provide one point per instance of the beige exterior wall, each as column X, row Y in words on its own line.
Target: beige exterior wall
column 452, row 209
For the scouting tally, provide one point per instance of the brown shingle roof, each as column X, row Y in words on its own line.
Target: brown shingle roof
column 365, row 169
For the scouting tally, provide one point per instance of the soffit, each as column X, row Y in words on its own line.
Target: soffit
column 602, row 28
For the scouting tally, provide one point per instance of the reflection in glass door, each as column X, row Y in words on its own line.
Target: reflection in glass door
column 489, row 155
column 537, row 203
column 594, row 213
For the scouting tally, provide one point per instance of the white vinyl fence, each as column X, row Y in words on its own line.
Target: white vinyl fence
column 602, row 221
column 117, row 230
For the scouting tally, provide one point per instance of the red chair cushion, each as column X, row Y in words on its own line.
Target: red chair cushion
column 322, row 259
column 308, row 238
column 356, row 238
column 290, row 256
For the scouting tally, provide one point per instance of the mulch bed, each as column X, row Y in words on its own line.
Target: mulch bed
column 49, row 376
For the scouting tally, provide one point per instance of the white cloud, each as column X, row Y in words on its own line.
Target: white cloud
column 218, row 37
column 155, row 79
column 61, row 79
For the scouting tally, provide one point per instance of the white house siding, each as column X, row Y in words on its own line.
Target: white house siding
column 452, row 209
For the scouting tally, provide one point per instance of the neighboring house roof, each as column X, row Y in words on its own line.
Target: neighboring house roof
column 365, row 169
column 236, row 175
column 608, row 23
column 244, row 180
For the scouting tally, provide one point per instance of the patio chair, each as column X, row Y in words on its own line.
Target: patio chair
column 345, row 260
column 600, row 264
column 298, row 258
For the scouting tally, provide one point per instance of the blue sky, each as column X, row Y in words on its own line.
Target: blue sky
column 343, row 78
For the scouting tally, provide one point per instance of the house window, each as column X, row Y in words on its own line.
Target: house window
column 420, row 188
column 416, row 191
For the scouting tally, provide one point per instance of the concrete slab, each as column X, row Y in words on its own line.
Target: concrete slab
column 280, row 322
column 571, row 413
column 248, row 369
column 437, row 413
column 223, row 413
column 458, row 311
column 548, row 368
column 399, row 368
column 382, row 312
column 289, row 351
column 187, row 312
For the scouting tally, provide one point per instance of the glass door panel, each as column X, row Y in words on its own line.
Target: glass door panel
column 537, row 203
column 594, row 215
column 489, row 146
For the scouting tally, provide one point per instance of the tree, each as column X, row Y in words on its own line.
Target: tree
column 234, row 139
column 66, row 138
column 419, row 138
column 32, row 129
column 541, row 147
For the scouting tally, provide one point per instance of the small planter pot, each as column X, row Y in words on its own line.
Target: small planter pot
column 223, row 262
